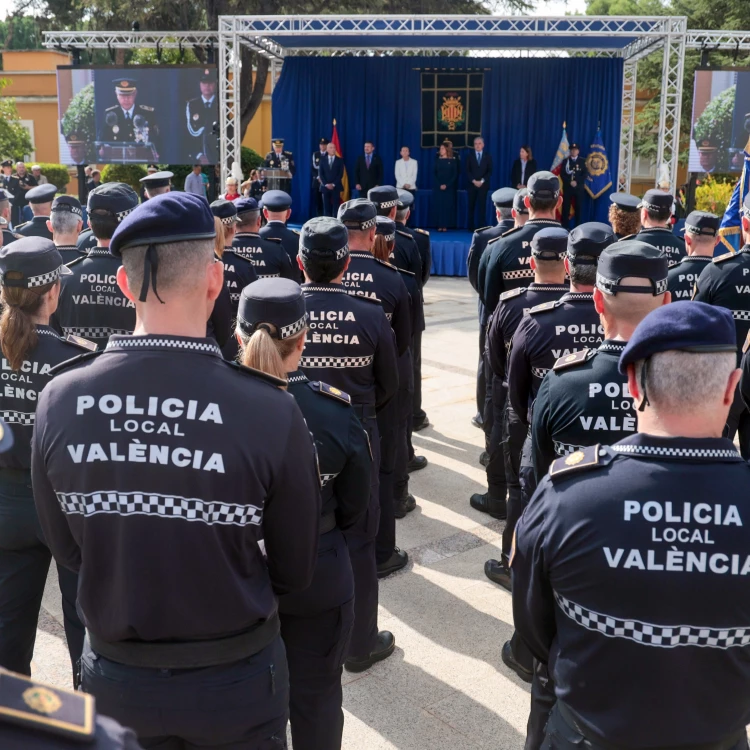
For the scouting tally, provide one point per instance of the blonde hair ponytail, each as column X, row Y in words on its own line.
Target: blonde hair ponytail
column 261, row 353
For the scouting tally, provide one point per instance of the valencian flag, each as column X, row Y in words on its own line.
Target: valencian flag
column 729, row 231
column 599, row 179
column 563, row 152
column 345, row 179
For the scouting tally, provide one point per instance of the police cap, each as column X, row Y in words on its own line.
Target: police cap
column 383, row 196
column 31, row 262
column 323, row 142
column 279, row 302
column 6, row 163
column 246, row 207
column 702, row 223
column 518, row 205
column 156, row 180
column 41, row 194
column 550, row 243
column 224, row 210
column 359, row 213
column 574, row 146
column 681, row 326
column 67, row 203
column 206, row 75
column 543, row 185
column 278, row 141
column 152, row 168
column 276, row 200
column 324, row 238
column 656, row 200
column 386, row 227
column 5, row 196
column 632, row 258
column 503, row 198
column 626, row 202
column 125, row 84
column 405, row 199
column 115, row 198
column 587, row 241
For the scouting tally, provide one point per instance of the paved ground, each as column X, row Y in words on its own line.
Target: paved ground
column 445, row 687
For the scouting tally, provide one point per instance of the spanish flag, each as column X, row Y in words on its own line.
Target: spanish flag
column 345, row 178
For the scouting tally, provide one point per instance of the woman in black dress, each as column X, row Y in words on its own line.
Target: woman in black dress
column 445, row 189
column 523, row 168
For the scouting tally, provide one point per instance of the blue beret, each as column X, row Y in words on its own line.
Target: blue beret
column 359, row 213
column 171, row 217
column 550, row 243
column 246, row 206
column 31, row 262
column 224, row 210
column 702, row 223
column 656, row 200
column 156, row 179
column 543, row 185
column 276, row 301
column 405, row 199
column 589, row 240
column 383, row 196
column 503, row 198
column 41, row 194
column 67, row 203
column 518, row 204
column 632, row 258
column 386, row 227
column 276, row 200
column 681, row 326
column 324, row 238
column 115, row 198
column 626, row 202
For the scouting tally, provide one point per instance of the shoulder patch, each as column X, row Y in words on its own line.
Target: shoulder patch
column 574, row 359
column 544, row 307
column 722, row 258
column 584, row 459
column 513, row 292
column 145, row 107
column 278, row 382
column 385, row 263
column 746, row 345
column 81, row 342
column 74, row 362
column 328, row 390
column 422, row 231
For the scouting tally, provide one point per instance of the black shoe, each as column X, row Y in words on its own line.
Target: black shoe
column 396, row 561
column 421, row 424
column 477, row 421
column 486, row 504
column 403, row 506
column 510, row 661
column 417, row 463
column 498, row 572
column 484, row 459
column 384, row 647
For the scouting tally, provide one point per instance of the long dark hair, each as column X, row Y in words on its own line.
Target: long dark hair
column 17, row 331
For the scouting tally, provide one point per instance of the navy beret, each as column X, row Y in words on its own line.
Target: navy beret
column 626, row 202
column 405, row 199
column 632, row 258
column 684, row 327
column 383, row 196
column 589, row 240
column 115, row 198
column 386, row 227
column 171, row 217
column 224, row 210
column 359, row 213
column 246, row 206
column 276, row 301
column 503, row 198
column 324, row 238
column 156, row 179
column 41, row 194
column 67, row 203
column 543, row 185
column 656, row 200
column 702, row 223
column 31, row 262
column 276, row 200
column 550, row 243
column 518, row 204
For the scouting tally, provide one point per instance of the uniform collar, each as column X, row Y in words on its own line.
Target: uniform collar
column 163, row 343
column 40, row 218
column 296, row 377
column 701, row 258
column 67, row 247
column 745, row 249
column 577, row 297
column 361, row 254
column 610, row 345
column 543, row 222
column 247, row 234
column 313, row 287
column 101, row 251
column 656, row 229
column 686, row 449
column 549, row 287
column 275, row 221
column 48, row 331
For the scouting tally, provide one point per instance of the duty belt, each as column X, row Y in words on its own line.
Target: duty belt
column 364, row 411
column 188, row 654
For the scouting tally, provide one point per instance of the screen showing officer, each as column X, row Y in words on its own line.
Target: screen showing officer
column 656, row 213
column 701, row 239
column 633, row 560
column 40, row 200
column 316, row 623
column 152, row 467
column 129, row 121
column 65, row 222
column 277, row 208
column 201, row 114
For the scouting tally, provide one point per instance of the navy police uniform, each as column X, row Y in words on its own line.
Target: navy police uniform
column 151, row 466
column 279, row 202
column 281, row 160
column 684, row 275
column 68, row 204
column 139, row 124
column 86, row 240
column 316, row 195
column 6, row 200
column 632, row 560
column 662, row 238
column 154, row 181
column 37, row 227
column 573, row 170
column 200, row 121
column 12, row 187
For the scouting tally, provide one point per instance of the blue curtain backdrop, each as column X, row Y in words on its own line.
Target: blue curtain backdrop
column 525, row 102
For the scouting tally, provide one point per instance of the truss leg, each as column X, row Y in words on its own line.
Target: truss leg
column 627, row 125
column 229, row 80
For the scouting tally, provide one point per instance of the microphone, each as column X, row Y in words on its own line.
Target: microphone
column 139, row 122
column 111, row 119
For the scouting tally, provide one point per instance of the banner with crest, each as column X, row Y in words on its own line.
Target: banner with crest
column 451, row 107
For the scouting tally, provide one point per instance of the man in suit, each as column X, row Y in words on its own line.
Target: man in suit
column 331, row 174
column 316, row 194
column 479, row 168
column 573, row 175
column 368, row 173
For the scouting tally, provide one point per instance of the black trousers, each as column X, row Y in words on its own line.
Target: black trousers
column 416, row 353
column 496, row 482
column 387, row 427
column 316, row 625
column 481, row 376
column 543, row 700
column 404, row 449
column 739, row 421
column 477, row 200
column 237, row 706
column 514, row 434
column 569, row 195
column 331, row 202
column 24, row 564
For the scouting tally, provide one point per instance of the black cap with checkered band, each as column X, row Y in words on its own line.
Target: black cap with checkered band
column 632, row 259
column 31, row 262
column 278, row 302
column 114, row 198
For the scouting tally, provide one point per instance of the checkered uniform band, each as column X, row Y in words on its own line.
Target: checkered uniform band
column 136, row 342
column 539, row 372
column 670, row 452
column 19, row 417
column 338, row 363
column 30, row 282
column 613, row 346
column 525, row 274
column 651, row 206
column 341, row 253
column 612, row 286
column 565, row 449
column 66, row 208
column 367, row 224
column 386, row 204
column 229, row 220
column 95, row 332
column 708, row 232
column 741, row 314
column 120, row 215
column 326, row 478
column 388, row 237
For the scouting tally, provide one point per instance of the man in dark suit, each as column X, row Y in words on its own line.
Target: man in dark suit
column 331, row 174
column 479, row 168
column 368, row 173
column 573, row 175
column 316, row 195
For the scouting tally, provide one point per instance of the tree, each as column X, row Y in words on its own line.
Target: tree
column 14, row 138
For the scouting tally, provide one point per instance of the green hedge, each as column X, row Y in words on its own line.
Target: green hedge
column 127, row 173
column 56, row 174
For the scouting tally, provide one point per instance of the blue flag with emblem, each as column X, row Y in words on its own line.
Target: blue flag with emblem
column 729, row 231
column 599, row 179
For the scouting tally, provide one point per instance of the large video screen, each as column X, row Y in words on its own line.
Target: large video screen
column 138, row 114
column 721, row 120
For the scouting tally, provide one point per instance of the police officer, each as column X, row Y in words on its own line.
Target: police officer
column 625, row 214
column 656, row 213
column 11, row 184
column 266, row 254
column 30, row 272
column 65, row 223
column 40, row 199
column 278, row 158
column 91, row 302
column 156, row 183
column 701, row 237
column 126, row 121
column 406, row 254
column 315, row 184
column 153, row 468
column 200, row 119
column 315, row 623
column 420, row 236
column 724, row 282
column 277, row 208
column 598, row 591
column 351, row 346
column 6, row 207
column 573, row 175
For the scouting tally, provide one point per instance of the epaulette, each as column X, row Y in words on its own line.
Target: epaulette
column 273, row 239
column 482, row 229
column 21, row 226
column 377, row 300
column 627, row 237
column 510, row 231
column 46, row 709
column 74, row 361
column 582, row 460
column 115, row 106
column 573, row 360
column 80, row 342
column 422, row 231
column 146, row 107
column 386, row 263
column 404, row 234
column 403, row 270
column 722, row 258
column 278, row 382
column 544, row 307
column 746, row 345
column 328, row 390
column 76, row 260
column 513, row 292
